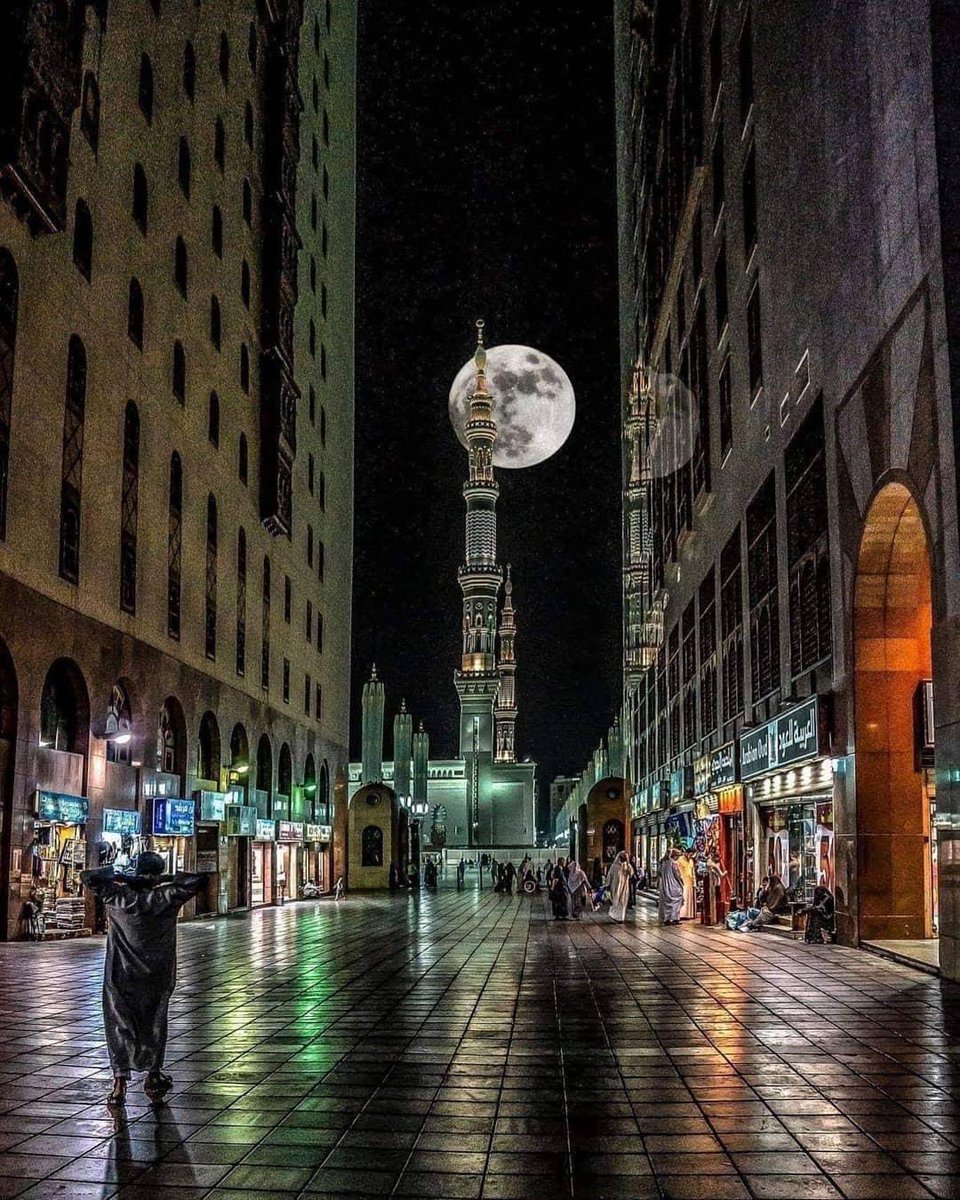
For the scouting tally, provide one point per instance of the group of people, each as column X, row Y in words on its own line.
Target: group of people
column 571, row 892
column 772, row 901
column 677, row 887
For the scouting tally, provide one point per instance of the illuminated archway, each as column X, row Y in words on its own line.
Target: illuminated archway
column 892, row 658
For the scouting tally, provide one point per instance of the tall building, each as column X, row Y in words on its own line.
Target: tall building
column 483, row 797
column 176, row 440
column 789, row 296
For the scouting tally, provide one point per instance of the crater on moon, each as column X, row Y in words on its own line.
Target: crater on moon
column 533, row 404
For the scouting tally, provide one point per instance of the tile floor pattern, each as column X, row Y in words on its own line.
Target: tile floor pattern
column 466, row 1046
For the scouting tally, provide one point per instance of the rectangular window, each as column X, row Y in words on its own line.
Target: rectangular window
column 320, row 557
column 754, row 342
column 720, row 288
column 287, row 599
column 309, row 545
column 707, row 630
column 763, row 594
column 718, row 173
column 307, row 695
column 726, row 410
column 688, row 653
column 318, row 702
column 310, row 473
column 746, row 68
column 750, row 202
column 320, row 631
column 716, row 57
column 309, row 621
column 808, row 549
column 731, row 628
column 286, row 681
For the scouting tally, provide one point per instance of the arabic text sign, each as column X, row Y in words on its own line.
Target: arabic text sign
column 791, row 738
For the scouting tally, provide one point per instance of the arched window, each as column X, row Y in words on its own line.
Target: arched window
column 371, row 847
column 216, row 322
column 248, row 124
column 71, row 473
column 224, row 58
column 180, row 267
column 323, row 793
column 135, row 314
column 9, row 309
column 265, row 773
column 208, row 749
column 184, row 166
column 90, row 111
column 247, row 202
column 83, row 239
column 213, row 420
column 285, row 777
column 145, row 88
column 172, row 738
column 65, row 709
column 174, row 545
column 118, row 726
column 241, row 601
column 265, row 639
column 129, row 494
column 216, row 231
column 140, row 198
column 179, row 373
column 310, row 787
column 244, row 368
column 189, row 71
column 210, row 605
column 245, row 283
column 242, row 465
column 219, row 144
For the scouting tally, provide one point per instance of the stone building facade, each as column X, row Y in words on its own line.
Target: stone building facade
column 790, row 349
column 176, row 441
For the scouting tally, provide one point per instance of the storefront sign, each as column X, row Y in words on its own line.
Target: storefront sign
column 240, row 820
column 290, row 831
column 326, row 833
column 208, row 862
column 311, row 833
column 724, row 766
column 701, row 808
column 121, row 821
column 701, row 775
column 61, row 809
column 681, row 784
column 213, row 806
column 173, row 818
column 266, row 831
column 730, row 800
column 791, row 738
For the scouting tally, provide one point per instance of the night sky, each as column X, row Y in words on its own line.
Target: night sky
column 486, row 188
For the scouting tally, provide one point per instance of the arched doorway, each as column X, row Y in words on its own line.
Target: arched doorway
column 265, row 776
column 323, row 794
column 9, row 708
column 892, row 660
column 284, row 781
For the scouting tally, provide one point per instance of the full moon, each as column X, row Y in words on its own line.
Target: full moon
column 533, row 404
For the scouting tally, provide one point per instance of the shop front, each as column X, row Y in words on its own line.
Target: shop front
column 240, row 829
column 121, row 840
column 789, row 776
column 173, row 829
column 316, row 856
column 212, row 807
column 58, row 854
column 726, row 800
column 262, row 862
column 289, row 860
column 648, row 833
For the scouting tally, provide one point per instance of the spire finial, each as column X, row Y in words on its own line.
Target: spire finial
column 373, row 673
column 421, row 730
column 403, row 705
column 480, row 359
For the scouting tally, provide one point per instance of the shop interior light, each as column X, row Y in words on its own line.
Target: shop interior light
column 241, row 768
column 121, row 739
column 44, row 744
column 309, row 787
column 136, row 763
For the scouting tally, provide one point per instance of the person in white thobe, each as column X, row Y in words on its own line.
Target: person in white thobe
column 618, row 882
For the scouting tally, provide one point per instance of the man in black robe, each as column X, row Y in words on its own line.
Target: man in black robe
column 140, row 971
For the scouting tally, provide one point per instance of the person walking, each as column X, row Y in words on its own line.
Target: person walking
column 510, row 874
column 140, row 969
column 688, row 873
column 596, row 875
column 670, row 889
column 618, row 881
column 577, row 885
column 558, row 896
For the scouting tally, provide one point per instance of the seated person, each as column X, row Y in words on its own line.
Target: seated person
column 774, row 902
column 821, row 917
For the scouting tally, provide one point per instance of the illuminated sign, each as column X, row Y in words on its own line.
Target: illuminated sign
column 290, row 831
column 723, row 766
column 266, row 831
column 173, row 817
column 62, row 810
column 241, row 820
column 701, row 775
column 213, row 806
column 120, row 821
column 791, row 738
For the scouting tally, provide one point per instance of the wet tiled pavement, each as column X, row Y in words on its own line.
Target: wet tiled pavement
column 466, row 1046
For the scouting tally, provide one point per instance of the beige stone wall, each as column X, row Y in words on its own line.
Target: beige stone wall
column 374, row 806
column 85, row 621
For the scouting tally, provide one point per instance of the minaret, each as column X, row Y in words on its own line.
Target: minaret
column 506, row 710
column 480, row 578
column 372, row 708
column 421, row 758
column 402, row 742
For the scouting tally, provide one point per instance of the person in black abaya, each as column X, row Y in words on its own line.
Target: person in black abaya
column 821, row 918
column 140, row 970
